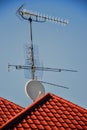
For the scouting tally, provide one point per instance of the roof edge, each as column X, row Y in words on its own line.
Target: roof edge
column 70, row 102
column 11, row 102
column 24, row 112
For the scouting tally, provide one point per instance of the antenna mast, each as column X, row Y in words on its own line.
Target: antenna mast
column 31, row 50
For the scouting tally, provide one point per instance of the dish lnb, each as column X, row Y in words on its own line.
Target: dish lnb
column 34, row 89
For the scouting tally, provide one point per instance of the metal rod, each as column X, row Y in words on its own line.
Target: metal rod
column 54, row 84
column 31, row 50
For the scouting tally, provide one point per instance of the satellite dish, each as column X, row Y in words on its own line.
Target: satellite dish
column 34, row 89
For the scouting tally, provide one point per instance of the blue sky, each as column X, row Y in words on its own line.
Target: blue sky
column 59, row 47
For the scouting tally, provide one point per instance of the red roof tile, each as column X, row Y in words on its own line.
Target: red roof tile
column 48, row 112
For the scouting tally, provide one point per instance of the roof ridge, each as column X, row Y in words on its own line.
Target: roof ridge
column 16, row 118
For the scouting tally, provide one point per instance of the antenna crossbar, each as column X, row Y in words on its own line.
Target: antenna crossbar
column 27, row 67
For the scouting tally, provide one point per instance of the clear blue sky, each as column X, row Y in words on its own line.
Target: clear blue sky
column 59, row 47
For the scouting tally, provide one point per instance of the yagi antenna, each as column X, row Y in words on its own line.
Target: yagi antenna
column 30, row 17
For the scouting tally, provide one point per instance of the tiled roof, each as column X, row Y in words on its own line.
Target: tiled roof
column 49, row 112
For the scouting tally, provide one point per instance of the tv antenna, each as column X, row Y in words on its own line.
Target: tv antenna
column 35, row 17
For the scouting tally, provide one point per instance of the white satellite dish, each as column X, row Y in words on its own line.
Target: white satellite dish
column 34, row 89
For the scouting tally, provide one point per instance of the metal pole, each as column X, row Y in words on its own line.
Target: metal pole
column 31, row 50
